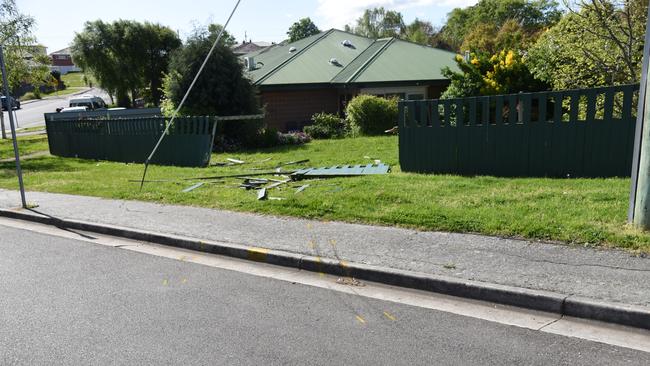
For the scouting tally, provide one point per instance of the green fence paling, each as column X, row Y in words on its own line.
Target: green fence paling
column 131, row 140
column 572, row 133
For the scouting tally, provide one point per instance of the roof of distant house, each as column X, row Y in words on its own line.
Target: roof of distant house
column 65, row 51
column 250, row 46
column 337, row 57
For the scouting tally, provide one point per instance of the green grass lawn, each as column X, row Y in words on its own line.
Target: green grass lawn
column 26, row 145
column 579, row 211
column 75, row 80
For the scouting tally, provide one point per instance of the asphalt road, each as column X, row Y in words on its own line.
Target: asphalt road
column 70, row 302
column 31, row 114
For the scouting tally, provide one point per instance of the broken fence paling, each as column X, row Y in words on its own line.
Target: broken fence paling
column 311, row 173
column 341, row 171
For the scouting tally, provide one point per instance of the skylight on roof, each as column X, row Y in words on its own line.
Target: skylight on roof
column 292, row 49
column 347, row 43
column 335, row 62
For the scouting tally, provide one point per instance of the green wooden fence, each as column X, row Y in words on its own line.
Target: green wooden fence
column 572, row 133
column 131, row 140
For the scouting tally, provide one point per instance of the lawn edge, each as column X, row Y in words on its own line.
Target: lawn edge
column 548, row 301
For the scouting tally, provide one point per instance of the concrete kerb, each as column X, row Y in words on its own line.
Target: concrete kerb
column 561, row 304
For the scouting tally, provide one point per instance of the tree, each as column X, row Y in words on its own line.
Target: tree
column 214, row 30
column 418, row 31
column 502, row 73
column 378, row 23
column 25, row 64
column 126, row 57
column 532, row 15
column 489, row 38
column 222, row 88
column 599, row 43
column 302, row 29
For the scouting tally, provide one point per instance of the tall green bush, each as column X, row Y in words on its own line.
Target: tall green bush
column 371, row 115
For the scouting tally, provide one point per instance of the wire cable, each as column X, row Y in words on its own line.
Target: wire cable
column 187, row 93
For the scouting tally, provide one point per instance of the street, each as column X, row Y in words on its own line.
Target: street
column 76, row 298
column 31, row 114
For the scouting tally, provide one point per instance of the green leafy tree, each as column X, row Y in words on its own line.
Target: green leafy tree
column 222, row 88
column 489, row 38
column 127, row 58
column 302, row 29
column 418, row 31
column 598, row 43
column 532, row 15
column 213, row 30
column 378, row 23
column 25, row 63
column 502, row 73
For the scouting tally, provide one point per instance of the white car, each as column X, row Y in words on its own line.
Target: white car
column 73, row 109
column 92, row 102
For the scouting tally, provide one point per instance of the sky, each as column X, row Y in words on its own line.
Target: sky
column 260, row 20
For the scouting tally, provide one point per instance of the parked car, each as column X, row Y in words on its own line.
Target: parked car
column 92, row 102
column 72, row 109
column 15, row 103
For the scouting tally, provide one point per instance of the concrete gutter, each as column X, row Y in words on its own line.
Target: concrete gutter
column 553, row 302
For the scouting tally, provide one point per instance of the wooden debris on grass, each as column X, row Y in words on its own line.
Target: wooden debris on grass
column 190, row 189
column 277, row 184
column 293, row 163
column 302, row 188
column 261, row 194
column 235, row 161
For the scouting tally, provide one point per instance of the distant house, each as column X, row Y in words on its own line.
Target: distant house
column 323, row 72
column 249, row 46
column 62, row 61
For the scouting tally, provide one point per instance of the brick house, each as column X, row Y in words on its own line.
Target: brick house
column 323, row 72
column 62, row 62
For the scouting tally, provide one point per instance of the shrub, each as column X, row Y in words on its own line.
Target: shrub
column 293, row 138
column 326, row 126
column 237, row 134
column 371, row 115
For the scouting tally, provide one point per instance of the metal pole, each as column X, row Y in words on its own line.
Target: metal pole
column 2, row 124
column 13, row 127
column 640, row 121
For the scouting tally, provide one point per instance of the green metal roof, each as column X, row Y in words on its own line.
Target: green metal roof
column 365, row 61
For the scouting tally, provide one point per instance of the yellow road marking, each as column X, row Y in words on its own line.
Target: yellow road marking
column 320, row 267
column 257, row 254
column 165, row 282
column 360, row 319
column 389, row 316
column 312, row 244
column 333, row 243
column 184, row 280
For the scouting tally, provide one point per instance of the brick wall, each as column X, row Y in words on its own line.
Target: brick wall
column 290, row 110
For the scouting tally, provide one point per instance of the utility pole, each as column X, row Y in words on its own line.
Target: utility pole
column 19, row 171
column 2, row 124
